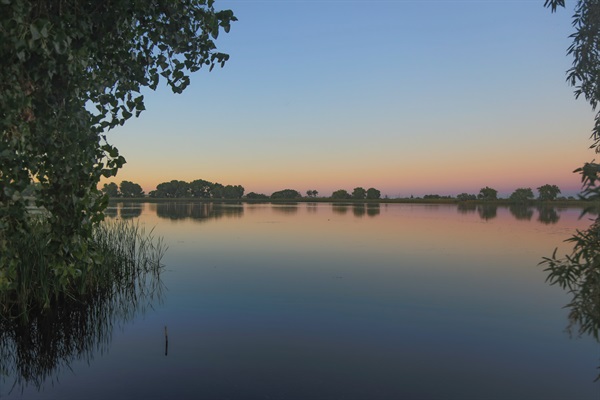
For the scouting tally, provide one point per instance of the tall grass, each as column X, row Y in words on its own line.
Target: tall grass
column 119, row 253
column 45, row 325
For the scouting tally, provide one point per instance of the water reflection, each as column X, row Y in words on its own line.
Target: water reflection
column 373, row 209
column 129, row 210
column 547, row 214
column 521, row 212
column 466, row 208
column 196, row 211
column 35, row 349
column 285, row 208
column 579, row 274
column 340, row 209
column 487, row 211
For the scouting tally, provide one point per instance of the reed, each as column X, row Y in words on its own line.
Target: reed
column 120, row 253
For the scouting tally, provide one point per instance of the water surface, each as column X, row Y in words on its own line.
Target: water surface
column 331, row 301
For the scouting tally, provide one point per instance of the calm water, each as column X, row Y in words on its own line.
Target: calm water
column 322, row 301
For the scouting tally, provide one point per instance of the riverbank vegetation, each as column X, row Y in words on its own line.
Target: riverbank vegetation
column 40, row 282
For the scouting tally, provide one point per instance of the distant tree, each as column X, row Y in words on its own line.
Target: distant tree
column 432, row 196
column 312, row 193
column 487, row 193
column 465, row 197
column 256, row 196
column 286, row 194
column 522, row 195
column 359, row 193
column 200, row 188
column 172, row 189
column 340, row 194
column 373, row 194
column 110, row 189
column 216, row 191
column 548, row 192
column 131, row 189
column 233, row 192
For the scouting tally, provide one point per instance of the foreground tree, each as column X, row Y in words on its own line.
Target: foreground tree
column 548, row 192
column 522, row 195
column 70, row 71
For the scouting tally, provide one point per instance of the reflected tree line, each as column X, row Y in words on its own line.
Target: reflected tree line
column 546, row 214
column 200, row 211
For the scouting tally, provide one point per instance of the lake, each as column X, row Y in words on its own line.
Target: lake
column 331, row 301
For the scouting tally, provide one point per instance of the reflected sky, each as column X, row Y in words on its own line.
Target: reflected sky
column 322, row 300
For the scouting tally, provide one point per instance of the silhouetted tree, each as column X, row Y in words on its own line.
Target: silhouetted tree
column 340, row 194
column 256, row 196
column 111, row 189
column 548, row 192
column 131, row 189
column 373, row 194
column 359, row 193
column 286, row 194
column 487, row 193
column 465, row 197
column 522, row 195
column 200, row 188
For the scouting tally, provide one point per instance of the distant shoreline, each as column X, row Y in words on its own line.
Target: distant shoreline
column 498, row 202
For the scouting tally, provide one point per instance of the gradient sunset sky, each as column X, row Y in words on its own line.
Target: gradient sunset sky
column 410, row 97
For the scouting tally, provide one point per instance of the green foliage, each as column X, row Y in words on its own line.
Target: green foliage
column 197, row 189
column 585, row 49
column 173, row 189
column 312, row 193
column 488, row 193
column 256, row 196
column 110, row 189
column 373, row 194
column 579, row 274
column 522, row 195
column 286, row 194
column 341, row 194
column 115, row 250
column 548, row 192
column 466, row 197
column 69, row 71
column 130, row 189
column 359, row 193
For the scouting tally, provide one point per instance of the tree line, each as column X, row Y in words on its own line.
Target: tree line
column 546, row 192
column 202, row 189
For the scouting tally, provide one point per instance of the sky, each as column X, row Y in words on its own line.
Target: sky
column 409, row 97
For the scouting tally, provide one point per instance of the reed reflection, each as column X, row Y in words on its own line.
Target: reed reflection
column 36, row 347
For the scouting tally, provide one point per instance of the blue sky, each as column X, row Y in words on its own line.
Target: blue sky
column 411, row 97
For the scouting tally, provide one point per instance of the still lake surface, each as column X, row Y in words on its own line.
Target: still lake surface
column 330, row 301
